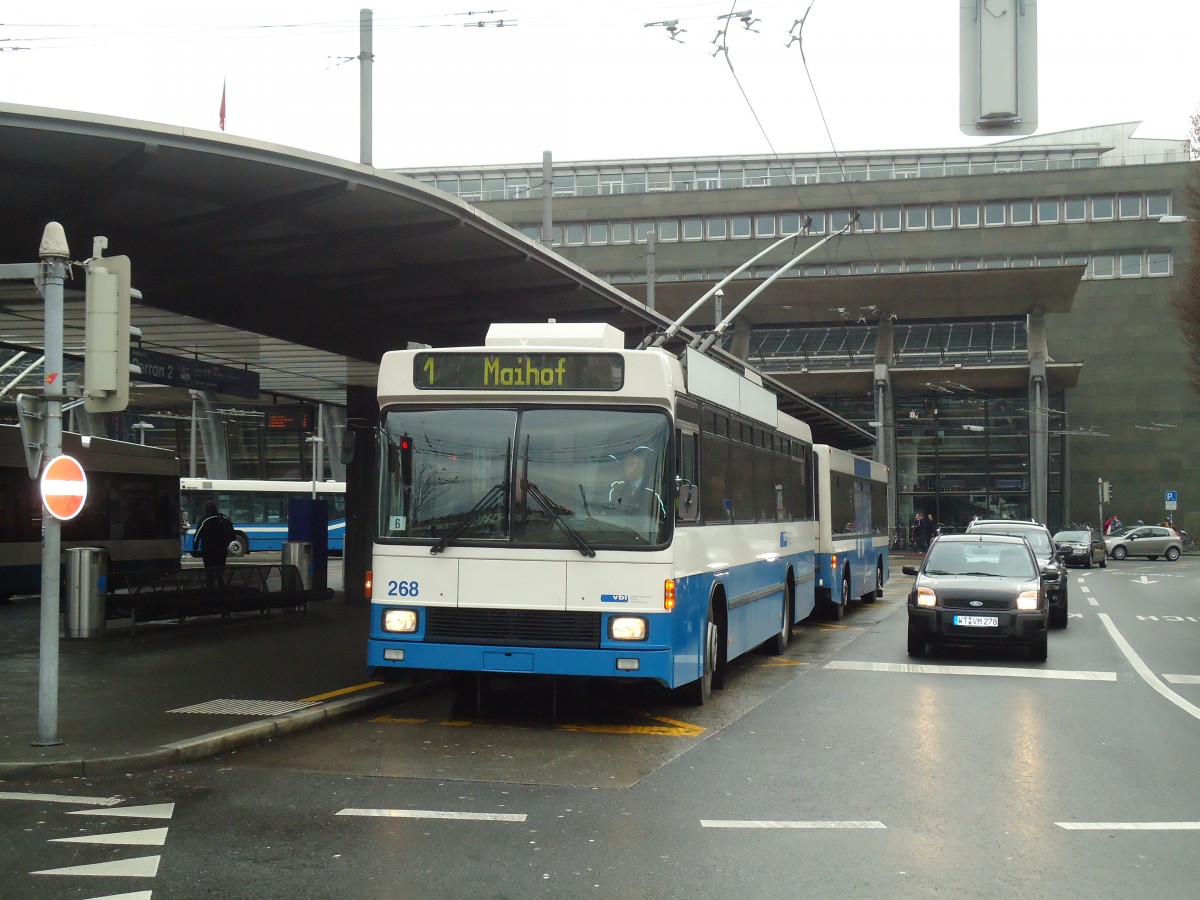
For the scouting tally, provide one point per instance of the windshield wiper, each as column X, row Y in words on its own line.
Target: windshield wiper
column 485, row 503
column 548, row 507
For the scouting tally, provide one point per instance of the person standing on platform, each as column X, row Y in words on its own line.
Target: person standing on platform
column 211, row 544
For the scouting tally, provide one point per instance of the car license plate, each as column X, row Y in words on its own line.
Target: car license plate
column 977, row 621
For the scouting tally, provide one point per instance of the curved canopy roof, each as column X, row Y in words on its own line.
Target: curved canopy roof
column 303, row 267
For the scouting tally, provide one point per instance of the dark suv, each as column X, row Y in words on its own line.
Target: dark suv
column 1054, row 572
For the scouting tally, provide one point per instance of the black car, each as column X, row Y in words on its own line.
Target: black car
column 1084, row 547
column 981, row 589
column 1054, row 572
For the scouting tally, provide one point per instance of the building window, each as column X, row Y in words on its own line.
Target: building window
column 1158, row 205
column 597, row 233
column 1102, row 266
column 838, row 219
column 864, row 268
column 642, row 231
column 533, row 232
column 993, row 213
column 968, row 215
column 1075, row 209
column 1076, row 261
column 943, row 216
column 1129, row 206
column 1102, row 208
column 1046, row 261
column 1130, row 265
column 693, row 229
column 716, row 227
column 1021, row 212
column 995, row 263
column 586, row 185
column 889, row 218
column 764, row 226
column 916, row 218
column 968, row 265
column 789, row 223
column 866, row 220
column 622, row 232
column 943, row 265
column 575, row 235
column 658, row 181
column 919, row 265
column 668, row 229
column 1022, row 262
column 1047, row 211
column 888, row 268
column 1158, row 263
column 739, row 226
column 817, row 226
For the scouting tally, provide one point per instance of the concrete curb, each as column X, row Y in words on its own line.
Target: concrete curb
column 214, row 743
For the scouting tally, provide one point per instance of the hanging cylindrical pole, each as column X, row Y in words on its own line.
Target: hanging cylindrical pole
column 55, row 259
column 650, row 270
column 366, row 60
column 547, row 200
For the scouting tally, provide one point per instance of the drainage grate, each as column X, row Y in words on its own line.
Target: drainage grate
column 245, row 707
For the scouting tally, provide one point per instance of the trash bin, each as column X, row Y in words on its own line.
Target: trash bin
column 87, row 587
column 299, row 554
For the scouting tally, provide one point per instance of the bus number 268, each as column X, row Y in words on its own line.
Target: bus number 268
column 403, row 589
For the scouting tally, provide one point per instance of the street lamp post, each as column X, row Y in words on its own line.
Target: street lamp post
column 141, row 428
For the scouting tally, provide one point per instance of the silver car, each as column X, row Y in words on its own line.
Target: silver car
column 1150, row 541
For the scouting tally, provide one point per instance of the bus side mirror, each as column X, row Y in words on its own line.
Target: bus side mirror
column 687, row 506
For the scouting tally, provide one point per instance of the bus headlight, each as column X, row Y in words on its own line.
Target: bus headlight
column 400, row 621
column 627, row 628
column 1027, row 600
column 926, row 597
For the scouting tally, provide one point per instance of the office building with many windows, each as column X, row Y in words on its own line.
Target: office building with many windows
column 999, row 315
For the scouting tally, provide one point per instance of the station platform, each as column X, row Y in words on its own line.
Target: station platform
column 173, row 693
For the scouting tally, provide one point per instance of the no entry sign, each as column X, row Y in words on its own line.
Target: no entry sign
column 64, row 487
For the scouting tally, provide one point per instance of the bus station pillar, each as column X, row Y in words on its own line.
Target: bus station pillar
column 308, row 522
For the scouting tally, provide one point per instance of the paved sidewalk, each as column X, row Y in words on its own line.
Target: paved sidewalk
column 123, row 701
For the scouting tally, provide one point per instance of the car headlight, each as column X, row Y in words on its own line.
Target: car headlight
column 1027, row 600
column 627, row 628
column 926, row 597
column 400, row 621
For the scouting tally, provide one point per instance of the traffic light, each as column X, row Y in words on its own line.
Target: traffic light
column 106, row 335
column 1106, row 491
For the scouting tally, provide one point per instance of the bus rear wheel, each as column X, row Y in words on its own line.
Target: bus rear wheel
column 240, row 545
column 777, row 644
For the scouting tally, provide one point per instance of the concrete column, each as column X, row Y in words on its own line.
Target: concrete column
column 1039, row 445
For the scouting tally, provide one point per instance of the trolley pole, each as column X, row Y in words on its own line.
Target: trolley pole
column 55, row 265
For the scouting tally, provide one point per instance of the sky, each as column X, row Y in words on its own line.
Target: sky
column 585, row 80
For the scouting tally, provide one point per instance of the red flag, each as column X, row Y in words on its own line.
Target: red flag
column 222, row 105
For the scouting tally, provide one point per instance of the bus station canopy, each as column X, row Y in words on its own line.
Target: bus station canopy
column 301, row 267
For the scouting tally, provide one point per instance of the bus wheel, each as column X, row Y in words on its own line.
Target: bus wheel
column 700, row 690
column 872, row 595
column 240, row 545
column 778, row 643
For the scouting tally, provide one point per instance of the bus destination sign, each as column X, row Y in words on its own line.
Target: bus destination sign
column 450, row 371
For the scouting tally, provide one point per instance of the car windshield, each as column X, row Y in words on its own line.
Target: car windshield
column 1038, row 538
column 1002, row 560
column 1080, row 537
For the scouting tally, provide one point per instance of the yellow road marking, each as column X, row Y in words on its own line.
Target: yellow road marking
column 668, row 728
column 339, row 693
column 780, row 661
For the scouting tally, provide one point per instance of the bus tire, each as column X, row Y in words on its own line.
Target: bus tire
column 777, row 644
column 699, row 691
column 240, row 545
column 876, row 592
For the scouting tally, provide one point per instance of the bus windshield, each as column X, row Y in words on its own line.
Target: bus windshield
column 557, row 477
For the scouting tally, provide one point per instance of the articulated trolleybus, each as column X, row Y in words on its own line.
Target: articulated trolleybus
column 852, row 545
column 554, row 504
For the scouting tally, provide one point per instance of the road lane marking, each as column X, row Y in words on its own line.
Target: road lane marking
column 1093, row 601
column 753, row 823
column 153, row 811
column 1182, row 679
column 141, row 867
column 1144, row 671
column 434, row 814
column 145, row 837
column 1129, row 826
column 61, row 798
column 341, row 691
column 998, row 671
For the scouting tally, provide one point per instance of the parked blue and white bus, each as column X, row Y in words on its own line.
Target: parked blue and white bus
column 259, row 510
column 852, row 544
column 554, row 504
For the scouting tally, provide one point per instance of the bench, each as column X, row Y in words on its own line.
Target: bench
column 185, row 593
